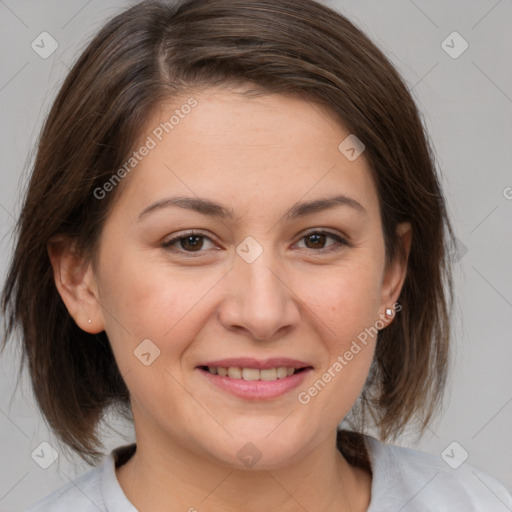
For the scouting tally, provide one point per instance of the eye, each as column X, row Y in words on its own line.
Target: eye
column 188, row 242
column 193, row 242
column 316, row 239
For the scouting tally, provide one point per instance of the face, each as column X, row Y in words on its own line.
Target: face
column 261, row 277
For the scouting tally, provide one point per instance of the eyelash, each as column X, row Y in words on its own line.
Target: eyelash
column 334, row 247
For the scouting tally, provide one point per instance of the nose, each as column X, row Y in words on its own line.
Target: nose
column 259, row 299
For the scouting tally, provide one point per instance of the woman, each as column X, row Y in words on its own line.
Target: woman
column 234, row 232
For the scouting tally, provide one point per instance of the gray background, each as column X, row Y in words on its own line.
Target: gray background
column 467, row 107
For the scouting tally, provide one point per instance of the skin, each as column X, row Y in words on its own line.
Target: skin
column 257, row 156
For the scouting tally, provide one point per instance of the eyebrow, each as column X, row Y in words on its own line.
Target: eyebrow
column 213, row 209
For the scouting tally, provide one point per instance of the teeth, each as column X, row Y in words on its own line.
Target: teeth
column 250, row 374
column 253, row 373
column 234, row 373
column 268, row 374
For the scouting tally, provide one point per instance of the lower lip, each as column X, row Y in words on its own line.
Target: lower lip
column 256, row 389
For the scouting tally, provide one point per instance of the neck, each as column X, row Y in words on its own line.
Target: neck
column 174, row 478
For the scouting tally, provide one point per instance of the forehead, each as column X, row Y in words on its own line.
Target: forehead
column 240, row 148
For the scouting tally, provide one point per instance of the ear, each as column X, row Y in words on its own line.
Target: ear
column 76, row 284
column 396, row 270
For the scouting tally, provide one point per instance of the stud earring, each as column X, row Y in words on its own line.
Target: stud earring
column 389, row 312
column 89, row 321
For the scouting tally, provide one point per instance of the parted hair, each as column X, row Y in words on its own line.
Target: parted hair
column 156, row 51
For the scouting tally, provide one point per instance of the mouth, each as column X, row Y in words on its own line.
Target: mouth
column 255, row 380
column 253, row 374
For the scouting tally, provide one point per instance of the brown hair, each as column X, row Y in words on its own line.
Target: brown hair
column 155, row 51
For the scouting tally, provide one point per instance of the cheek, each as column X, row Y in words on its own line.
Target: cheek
column 149, row 295
column 351, row 309
column 141, row 301
column 346, row 307
column 347, row 299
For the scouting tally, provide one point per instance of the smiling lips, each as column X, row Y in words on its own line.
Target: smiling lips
column 253, row 369
column 234, row 372
column 251, row 378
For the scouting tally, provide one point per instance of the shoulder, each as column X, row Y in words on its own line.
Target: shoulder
column 82, row 494
column 410, row 480
column 97, row 490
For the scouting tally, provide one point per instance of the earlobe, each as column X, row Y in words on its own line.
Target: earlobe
column 396, row 270
column 75, row 282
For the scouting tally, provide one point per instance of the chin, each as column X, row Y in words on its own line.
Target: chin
column 259, row 454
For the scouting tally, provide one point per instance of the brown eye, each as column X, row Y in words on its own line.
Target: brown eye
column 317, row 240
column 192, row 242
column 187, row 243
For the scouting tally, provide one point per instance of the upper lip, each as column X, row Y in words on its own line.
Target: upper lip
column 260, row 364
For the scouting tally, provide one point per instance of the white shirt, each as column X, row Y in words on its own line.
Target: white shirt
column 403, row 480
